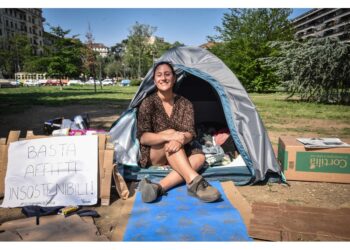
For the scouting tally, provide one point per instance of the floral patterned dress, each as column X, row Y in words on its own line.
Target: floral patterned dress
column 152, row 117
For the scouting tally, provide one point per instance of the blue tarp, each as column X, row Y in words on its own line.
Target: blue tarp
column 179, row 217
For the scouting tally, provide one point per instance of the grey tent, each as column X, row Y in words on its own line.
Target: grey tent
column 217, row 96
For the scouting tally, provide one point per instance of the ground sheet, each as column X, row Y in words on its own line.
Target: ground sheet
column 179, row 217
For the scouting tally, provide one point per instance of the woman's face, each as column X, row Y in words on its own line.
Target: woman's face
column 164, row 78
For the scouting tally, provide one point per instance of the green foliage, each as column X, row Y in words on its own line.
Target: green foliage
column 65, row 58
column 243, row 39
column 137, row 47
column 13, row 55
column 318, row 70
column 139, row 51
column 135, row 82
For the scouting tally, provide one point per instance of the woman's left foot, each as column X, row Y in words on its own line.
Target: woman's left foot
column 150, row 191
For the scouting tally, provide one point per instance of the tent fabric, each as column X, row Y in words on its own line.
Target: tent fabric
column 198, row 69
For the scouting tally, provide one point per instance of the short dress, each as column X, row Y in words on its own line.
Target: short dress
column 152, row 117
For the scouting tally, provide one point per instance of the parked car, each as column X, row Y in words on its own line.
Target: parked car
column 125, row 82
column 107, row 82
column 75, row 82
column 42, row 81
column 52, row 82
column 30, row 83
column 91, row 81
column 15, row 83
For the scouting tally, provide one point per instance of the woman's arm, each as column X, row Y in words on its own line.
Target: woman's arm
column 151, row 139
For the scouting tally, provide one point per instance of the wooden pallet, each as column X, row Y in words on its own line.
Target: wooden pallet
column 105, row 162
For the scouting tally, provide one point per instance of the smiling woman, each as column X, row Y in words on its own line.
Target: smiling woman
column 165, row 128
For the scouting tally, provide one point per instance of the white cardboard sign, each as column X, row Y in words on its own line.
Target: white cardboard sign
column 55, row 171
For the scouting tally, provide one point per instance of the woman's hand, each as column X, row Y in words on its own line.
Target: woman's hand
column 178, row 136
column 173, row 146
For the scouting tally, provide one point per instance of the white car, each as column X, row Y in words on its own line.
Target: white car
column 75, row 82
column 107, row 82
column 30, row 83
column 42, row 81
column 91, row 81
column 15, row 83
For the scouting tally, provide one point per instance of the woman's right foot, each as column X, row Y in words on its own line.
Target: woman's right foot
column 202, row 190
column 150, row 191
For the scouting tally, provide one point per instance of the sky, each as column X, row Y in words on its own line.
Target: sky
column 109, row 26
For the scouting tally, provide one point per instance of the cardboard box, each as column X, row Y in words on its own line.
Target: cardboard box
column 326, row 165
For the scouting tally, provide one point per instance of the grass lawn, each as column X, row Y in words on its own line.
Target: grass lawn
column 275, row 107
column 293, row 117
column 279, row 115
column 13, row 100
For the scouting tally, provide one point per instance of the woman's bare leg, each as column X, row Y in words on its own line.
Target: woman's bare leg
column 174, row 178
column 184, row 168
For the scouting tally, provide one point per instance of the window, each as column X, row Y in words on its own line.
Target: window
column 0, row 32
column 7, row 23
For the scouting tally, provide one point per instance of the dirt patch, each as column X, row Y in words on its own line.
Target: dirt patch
column 311, row 194
column 308, row 128
column 34, row 117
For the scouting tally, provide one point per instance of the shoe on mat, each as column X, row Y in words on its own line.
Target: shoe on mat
column 202, row 190
column 150, row 191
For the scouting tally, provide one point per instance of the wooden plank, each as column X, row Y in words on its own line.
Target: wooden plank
column 30, row 135
column 13, row 136
column 3, row 168
column 2, row 141
column 122, row 216
column 287, row 222
column 262, row 233
column 106, row 177
column 101, row 141
column 238, row 201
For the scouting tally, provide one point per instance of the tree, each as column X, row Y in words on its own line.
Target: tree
column 65, row 58
column 13, row 54
column 138, row 44
column 318, row 69
column 243, row 39
column 89, row 58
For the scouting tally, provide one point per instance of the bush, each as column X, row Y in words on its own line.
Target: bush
column 135, row 82
column 317, row 69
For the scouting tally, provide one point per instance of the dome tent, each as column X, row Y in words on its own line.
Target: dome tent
column 217, row 96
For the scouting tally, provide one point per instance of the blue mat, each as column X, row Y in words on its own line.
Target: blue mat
column 179, row 217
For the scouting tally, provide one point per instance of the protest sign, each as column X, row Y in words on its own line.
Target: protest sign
column 54, row 171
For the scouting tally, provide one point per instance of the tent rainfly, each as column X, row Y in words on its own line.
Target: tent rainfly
column 217, row 96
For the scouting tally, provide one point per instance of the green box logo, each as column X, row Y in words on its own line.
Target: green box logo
column 323, row 162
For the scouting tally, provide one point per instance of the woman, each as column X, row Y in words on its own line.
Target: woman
column 165, row 130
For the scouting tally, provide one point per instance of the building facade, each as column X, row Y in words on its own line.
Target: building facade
column 100, row 48
column 323, row 23
column 27, row 22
